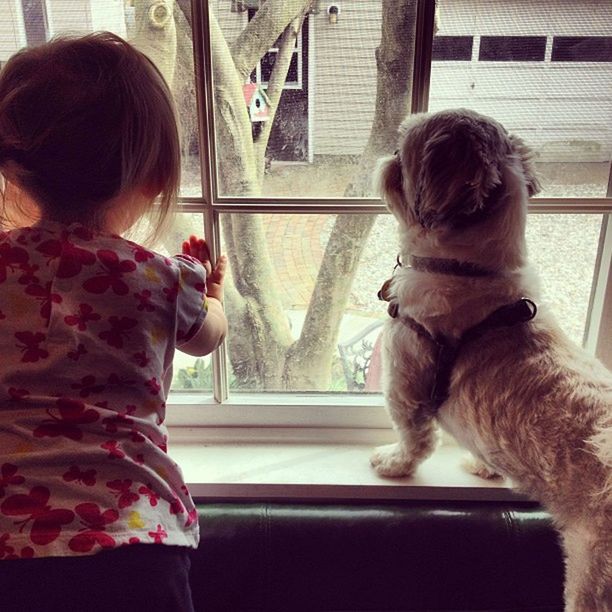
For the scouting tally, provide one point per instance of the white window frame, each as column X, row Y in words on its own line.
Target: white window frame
column 343, row 417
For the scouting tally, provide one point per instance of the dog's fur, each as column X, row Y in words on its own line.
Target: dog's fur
column 527, row 402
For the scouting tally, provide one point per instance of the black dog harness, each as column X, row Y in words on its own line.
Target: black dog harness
column 446, row 350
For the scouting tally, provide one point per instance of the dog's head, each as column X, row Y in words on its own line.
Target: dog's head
column 451, row 170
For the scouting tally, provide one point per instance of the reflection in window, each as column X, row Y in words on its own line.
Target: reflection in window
column 512, row 48
column 448, row 48
column 582, row 49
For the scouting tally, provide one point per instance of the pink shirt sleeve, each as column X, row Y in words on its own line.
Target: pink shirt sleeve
column 191, row 304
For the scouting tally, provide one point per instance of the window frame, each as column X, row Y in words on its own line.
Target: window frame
column 347, row 412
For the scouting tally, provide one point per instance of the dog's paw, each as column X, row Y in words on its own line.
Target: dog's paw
column 392, row 461
column 477, row 467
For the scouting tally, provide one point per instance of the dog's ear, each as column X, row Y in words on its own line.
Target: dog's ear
column 388, row 183
column 525, row 157
column 459, row 180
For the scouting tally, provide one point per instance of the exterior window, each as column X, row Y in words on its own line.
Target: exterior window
column 512, row 48
column 265, row 66
column 582, row 49
column 448, row 48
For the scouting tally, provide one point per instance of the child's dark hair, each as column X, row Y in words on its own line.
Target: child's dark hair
column 83, row 120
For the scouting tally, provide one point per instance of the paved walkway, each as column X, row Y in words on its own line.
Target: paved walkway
column 296, row 250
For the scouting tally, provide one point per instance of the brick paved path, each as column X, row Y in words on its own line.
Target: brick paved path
column 295, row 248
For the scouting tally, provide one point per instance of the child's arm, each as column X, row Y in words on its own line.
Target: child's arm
column 214, row 327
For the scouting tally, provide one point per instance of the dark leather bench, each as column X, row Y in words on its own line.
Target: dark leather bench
column 376, row 556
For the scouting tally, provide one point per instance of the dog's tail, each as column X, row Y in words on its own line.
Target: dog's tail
column 601, row 443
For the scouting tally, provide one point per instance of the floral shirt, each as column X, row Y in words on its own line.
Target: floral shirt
column 88, row 327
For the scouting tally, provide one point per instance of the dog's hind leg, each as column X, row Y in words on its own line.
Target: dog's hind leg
column 417, row 440
column 588, row 568
column 479, row 468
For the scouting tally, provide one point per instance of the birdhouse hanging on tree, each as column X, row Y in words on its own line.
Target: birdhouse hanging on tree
column 257, row 102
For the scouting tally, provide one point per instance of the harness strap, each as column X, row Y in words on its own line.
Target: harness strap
column 447, row 351
column 448, row 266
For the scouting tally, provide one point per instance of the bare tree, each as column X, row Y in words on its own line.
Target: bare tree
column 263, row 352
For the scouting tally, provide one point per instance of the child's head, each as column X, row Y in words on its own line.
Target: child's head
column 84, row 121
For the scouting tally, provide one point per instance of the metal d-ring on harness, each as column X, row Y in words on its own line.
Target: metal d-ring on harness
column 447, row 350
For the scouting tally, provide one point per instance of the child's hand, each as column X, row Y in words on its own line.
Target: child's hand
column 197, row 247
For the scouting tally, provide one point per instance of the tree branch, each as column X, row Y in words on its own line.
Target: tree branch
column 261, row 32
column 275, row 88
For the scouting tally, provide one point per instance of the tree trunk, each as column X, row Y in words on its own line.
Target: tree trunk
column 309, row 360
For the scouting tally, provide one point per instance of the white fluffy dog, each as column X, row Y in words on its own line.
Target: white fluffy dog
column 464, row 348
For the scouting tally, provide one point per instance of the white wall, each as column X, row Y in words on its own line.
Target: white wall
column 68, row 17
column 108, row 15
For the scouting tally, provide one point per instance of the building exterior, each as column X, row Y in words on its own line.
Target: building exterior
column 544, row 69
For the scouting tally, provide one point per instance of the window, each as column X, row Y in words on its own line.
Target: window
column 582, row 49
column 265, row 66
column 290, row 198
column 512, row 48
column 446, row 48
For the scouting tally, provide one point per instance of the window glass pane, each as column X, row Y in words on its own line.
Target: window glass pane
column 447, row 48
column 563, row 251
column 582, row 49
column 153, row 27
column 512, row 48
column 285, row 335
column 327, row 73
column 563, row 110
column 190, row 373
column 289, row 327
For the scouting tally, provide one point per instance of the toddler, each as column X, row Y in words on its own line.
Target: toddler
column 94, row 514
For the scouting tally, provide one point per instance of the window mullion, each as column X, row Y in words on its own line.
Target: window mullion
column 204, row 101
column 599, row 322
column 423, row 42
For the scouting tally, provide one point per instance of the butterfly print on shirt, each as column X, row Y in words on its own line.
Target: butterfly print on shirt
column 8, row 552
column 44, row 296
column 74, row 474
column 9, row 476
column 81, row 318
column 159, row 535
column 72, row 257
column 11, row 259
column 76, row 355
column 29, row 274
column 144, row 299
column 150, row 493
column 46, row 521
column 93, row 532
column 29, row 346
column 114, row 452
column 111, row 279
column 140, row 253
column 88, row 386
column 72, row 413
column 122, row 491
column 118, row 330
